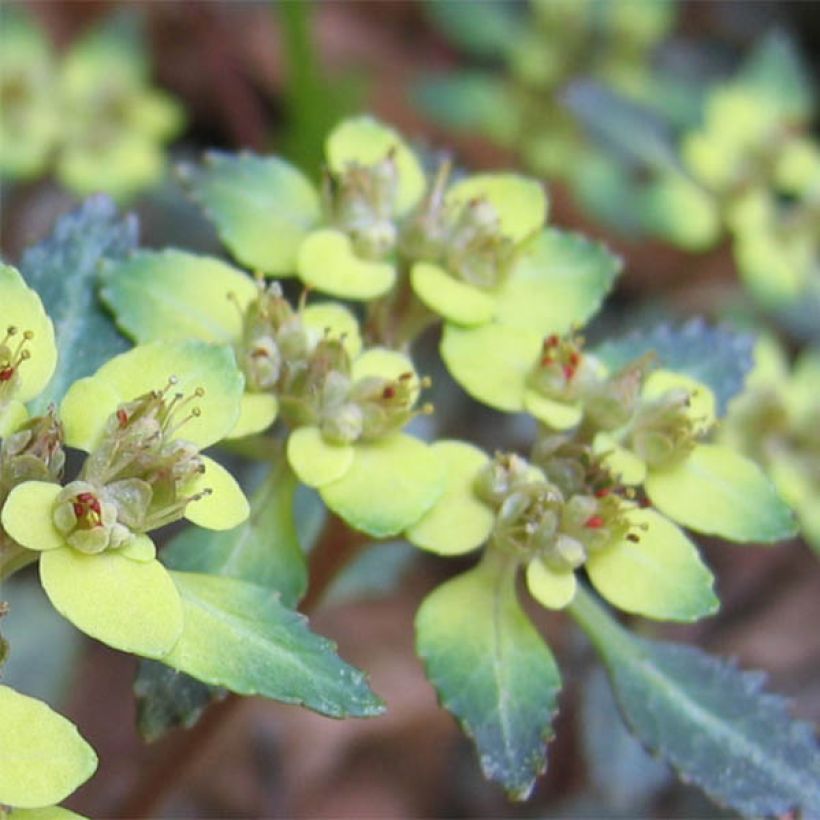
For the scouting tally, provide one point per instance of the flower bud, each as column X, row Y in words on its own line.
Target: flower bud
column 87, row 519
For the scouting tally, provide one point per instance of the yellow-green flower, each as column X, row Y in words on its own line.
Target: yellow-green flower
column 28, row 354
column 636, row 559
column 143, row 419
column 44, row 757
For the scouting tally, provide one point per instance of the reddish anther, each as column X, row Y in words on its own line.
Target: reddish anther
column 79, row 509
column 575, row 359
column 595, row 522
column 603, row 492
column 552, row 341
column 122, row 418
column 259, row 352
column 569, row 371
column 6, row 373
column 546, row 361
column 389, row 392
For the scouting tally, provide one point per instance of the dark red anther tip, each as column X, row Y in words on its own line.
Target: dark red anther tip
column 595, row 522
column 6, row 373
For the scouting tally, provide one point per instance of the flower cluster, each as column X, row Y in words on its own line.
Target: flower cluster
column 94, row 115
column 143, row 427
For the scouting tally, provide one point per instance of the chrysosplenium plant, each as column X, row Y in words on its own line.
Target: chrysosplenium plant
column 90, row 117
column 620, row 467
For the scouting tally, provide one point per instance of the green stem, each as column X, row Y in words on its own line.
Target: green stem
column 13, row 558
column 601, row 628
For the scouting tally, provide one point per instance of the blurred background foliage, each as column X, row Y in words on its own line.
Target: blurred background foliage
column 682, row 133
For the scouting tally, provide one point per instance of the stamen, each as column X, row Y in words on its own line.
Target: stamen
column 595, row 522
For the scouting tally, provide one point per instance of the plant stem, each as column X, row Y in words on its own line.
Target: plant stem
column 335, row 548
column 601, row 628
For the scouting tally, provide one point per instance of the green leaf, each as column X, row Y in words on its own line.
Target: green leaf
column 631, row 131
column 167, row 699
column 44, row 756
column 176, row 295
column 263, row 207
column 717, row 491
column 486, row 29
column 712, row 722
column 238, row 635
column 776, row 72
column 473, row 101
column 265, row 550
column 716, row 356
column 492, row 671
column 63, row 269
column 560, row 280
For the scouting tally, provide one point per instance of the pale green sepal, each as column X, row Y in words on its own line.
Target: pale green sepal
column 44, row 757
column 328, row 263
column 492, row 363
column 555, row 414
column 171, row 294
column 382, row 363
column 148, row 367
column 520, row 202
column 559, row 281
column 224, row 507
column 240, row 636
column 366, row 141
column 13, row 415
column 622, row 463
column 257, row 412
column 702, row 405
column 314, row 459
column 23, row 310
column 454, row 300
column 130, row 605
column 717, row 491
column 27, row 515
column 492, row 671
column 459, row 521
column 85, row 409
column 660, row 575
column 390, row 485
column 551, row 589
column 338, row 321
column 139, row 548
column 263, row 207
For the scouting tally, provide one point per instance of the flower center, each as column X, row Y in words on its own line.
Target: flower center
column 13, row 352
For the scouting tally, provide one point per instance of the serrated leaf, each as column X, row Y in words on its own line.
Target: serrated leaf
column 492, row 671
column 63, row 269
column 265, row 550
column 716, row 356
column 263, row 207
column 711, row 721
column 238, row 635
column 167, row 699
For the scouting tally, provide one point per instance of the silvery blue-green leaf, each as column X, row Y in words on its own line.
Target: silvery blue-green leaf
column 716, row 356
column 239, row 636
column 373, row 573
column 619, row 768
column 63, row 270
column 492, row 671
column 630, row 130
column 167, row 699
column 713, row 723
